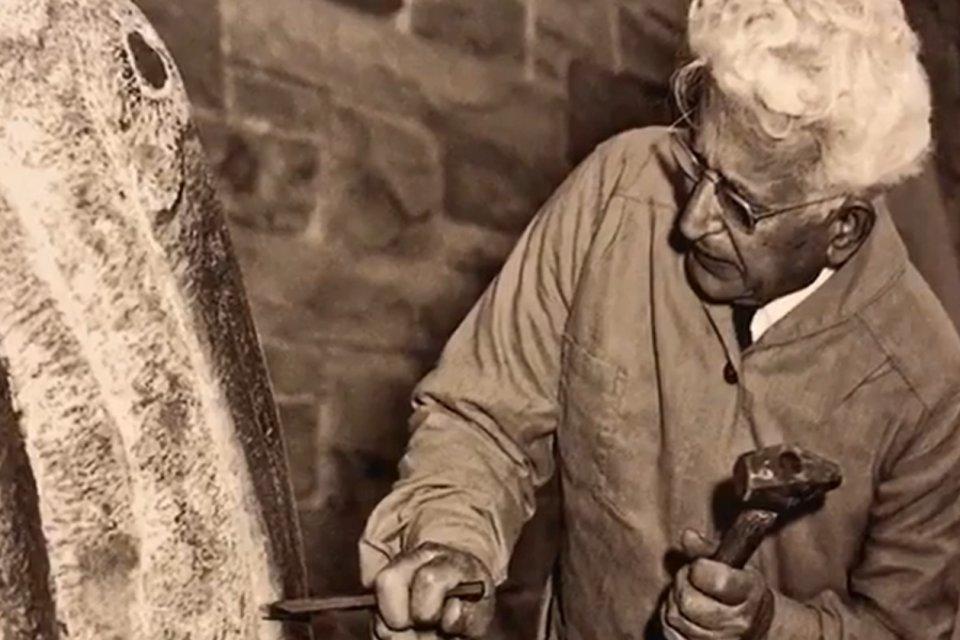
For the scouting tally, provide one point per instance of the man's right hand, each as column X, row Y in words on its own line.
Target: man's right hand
column 411, row 596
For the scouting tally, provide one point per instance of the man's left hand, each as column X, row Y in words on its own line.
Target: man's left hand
column 710, row 600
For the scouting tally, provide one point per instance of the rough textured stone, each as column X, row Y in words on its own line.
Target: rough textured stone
column 479, row 27
column 144, row 403
column 192, row 31
column 603, row 104
column 573, row 29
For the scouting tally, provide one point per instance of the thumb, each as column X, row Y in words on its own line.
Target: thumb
column 697, row 545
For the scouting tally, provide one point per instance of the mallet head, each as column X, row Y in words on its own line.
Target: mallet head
column 782, row 477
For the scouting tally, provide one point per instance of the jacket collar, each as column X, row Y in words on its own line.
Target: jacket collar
column 866, row 276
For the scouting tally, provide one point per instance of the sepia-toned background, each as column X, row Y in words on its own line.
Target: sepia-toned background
column 377, row 160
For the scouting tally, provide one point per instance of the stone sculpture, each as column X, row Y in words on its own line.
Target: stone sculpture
column 143, row 487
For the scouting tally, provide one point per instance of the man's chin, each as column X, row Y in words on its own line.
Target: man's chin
column 712, row 287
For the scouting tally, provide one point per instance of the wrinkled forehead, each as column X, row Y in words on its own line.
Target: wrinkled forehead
column 776, row 170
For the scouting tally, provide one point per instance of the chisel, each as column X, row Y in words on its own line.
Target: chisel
column 301, row 609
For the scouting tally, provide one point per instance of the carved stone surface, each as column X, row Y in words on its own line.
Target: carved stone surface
column 151, row 458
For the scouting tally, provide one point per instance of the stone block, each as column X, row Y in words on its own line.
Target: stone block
column 267, row 183
column 362, row 209
column 488, row 186
column 478, row 27
column 278, row 103
column 572, row 29
column 191, row 30
column 603, row 104
column 652, row 39
column 382, row 177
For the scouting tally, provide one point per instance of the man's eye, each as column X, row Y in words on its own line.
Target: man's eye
column 741, row 209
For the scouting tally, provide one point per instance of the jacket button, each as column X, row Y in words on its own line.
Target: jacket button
column 730, row 373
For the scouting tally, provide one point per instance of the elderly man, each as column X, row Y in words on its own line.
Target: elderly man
column 687, row 295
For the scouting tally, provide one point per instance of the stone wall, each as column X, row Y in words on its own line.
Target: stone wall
column 378, row 159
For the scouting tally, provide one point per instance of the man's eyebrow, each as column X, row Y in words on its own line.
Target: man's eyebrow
column 742, row 190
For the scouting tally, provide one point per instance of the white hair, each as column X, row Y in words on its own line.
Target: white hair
column 845, row 71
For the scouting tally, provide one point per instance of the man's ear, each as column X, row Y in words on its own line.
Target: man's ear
column 851, row 226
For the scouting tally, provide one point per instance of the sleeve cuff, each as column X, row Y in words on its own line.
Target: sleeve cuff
column 388, row 534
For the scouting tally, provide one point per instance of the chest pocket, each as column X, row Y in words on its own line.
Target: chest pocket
column 591, row 391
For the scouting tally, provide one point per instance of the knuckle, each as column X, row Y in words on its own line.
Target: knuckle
column 389, row 580
column 428, row 577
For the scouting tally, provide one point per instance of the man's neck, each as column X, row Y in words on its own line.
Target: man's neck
column 767, row 315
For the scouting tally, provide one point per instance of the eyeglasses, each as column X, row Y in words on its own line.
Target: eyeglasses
column 745, row 213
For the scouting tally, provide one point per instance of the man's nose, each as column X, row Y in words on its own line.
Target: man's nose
column 702, row 216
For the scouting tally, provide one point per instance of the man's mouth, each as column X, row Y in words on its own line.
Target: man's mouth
column 715, row 264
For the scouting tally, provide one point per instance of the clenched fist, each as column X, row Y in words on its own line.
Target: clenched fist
column 712, row 601
column 411, row 596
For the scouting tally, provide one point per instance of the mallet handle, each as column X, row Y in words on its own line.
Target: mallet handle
column 743, row 538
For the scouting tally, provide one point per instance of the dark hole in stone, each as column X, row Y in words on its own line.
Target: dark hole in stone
column 148, row 61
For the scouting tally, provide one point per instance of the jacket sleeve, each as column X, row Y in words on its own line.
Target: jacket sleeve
column 483, row 422
column 906, row 584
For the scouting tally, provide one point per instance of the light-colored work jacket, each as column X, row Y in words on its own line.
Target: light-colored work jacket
column 591, row 356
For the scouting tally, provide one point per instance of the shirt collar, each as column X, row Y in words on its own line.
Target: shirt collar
column 767, row 315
